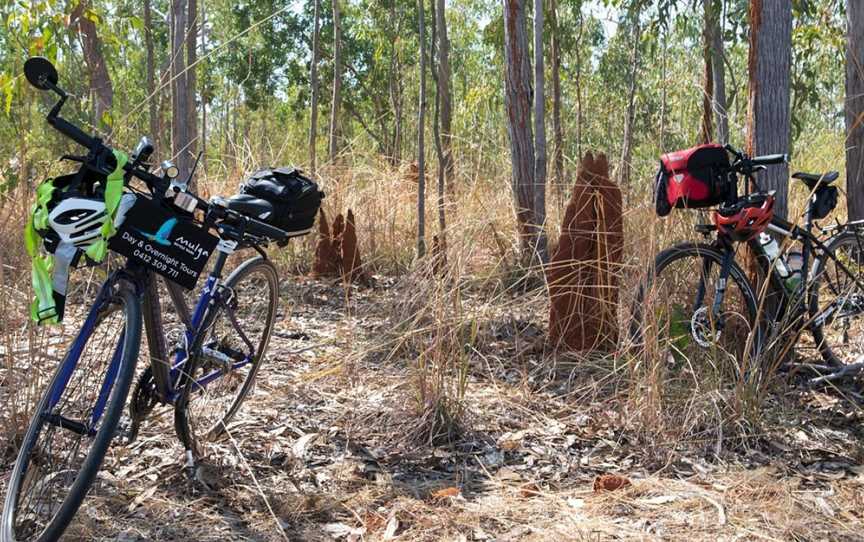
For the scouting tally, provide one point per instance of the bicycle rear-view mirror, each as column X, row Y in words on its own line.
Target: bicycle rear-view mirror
column 41, row 73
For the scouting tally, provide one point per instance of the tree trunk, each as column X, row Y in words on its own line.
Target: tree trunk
column 630, row 119
column 663, row 94
column 337, row 84
column 768, row 105
column 517, row 101
column 151, row 75
column 180, row 135
column 539, row 132
column 855, row 110
column 313, row 79
column 718, row 71
column 437, row 121
column 708, row 76
column 395, row 90
column 445, row 92
column 101, row 90
column 557, row 130
column 192, row 78
column 204, row 93
column 421, row 127
column 578, row 81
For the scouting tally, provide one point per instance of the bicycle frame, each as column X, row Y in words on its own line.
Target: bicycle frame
column 195, row 326
column 812, row 248
column 811, row 245
column 166, row 381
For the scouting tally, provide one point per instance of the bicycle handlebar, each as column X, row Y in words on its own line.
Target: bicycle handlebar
column 70, row 130
column 769, row 159
column 99, row 153
column 746, row 164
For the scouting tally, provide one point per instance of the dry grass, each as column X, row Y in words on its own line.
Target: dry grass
column 434, row 379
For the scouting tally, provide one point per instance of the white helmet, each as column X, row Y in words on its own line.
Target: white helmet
column 78, row 220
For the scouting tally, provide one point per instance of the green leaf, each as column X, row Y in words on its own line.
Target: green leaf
column 136, row 23
column 9, row 89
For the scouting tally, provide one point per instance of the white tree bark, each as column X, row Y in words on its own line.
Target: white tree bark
column 313, row 81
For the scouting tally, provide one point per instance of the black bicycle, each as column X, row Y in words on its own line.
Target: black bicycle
column 710, row 321
column 205, row 376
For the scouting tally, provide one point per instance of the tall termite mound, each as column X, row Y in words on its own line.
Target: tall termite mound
column 583, row 271
column 352, row 265
column 337, row 251
column 326, row 252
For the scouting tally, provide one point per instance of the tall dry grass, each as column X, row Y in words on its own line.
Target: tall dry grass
column 435, row 331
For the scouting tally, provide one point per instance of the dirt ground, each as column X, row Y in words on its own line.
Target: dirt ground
column 326, row 449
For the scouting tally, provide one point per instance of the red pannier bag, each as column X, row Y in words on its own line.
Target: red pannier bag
column 693, row 179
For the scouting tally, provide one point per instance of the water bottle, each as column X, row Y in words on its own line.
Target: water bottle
column 772, row 251
column 795, row 264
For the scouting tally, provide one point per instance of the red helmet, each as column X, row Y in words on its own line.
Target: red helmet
column 747, row 218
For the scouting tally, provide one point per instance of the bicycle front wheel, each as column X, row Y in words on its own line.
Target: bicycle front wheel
column 234, row 345
column 74, row 422
column 837, row 302
column 688, row 351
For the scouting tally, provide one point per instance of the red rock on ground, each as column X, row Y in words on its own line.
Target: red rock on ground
column 610, row 482
column 326, row 256
column 352, row 265
column 582, row 272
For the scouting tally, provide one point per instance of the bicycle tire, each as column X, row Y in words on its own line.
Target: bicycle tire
column 681, row 337
column 116, row 295
column 192, row 426
column 832, row 354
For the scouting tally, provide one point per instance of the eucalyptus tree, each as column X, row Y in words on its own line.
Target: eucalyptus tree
column 335, row 102
column 769, row 66
column 517, row 100
column 854, row 109
column 539, row 132
column 182, row 145
column 716, row 66
column 83, row 18
column 421, row 128
column 313, row 81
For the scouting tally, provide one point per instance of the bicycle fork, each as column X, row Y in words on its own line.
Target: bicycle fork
column 719, row 291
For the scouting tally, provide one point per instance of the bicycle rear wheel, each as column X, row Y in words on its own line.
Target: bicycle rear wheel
column 234, row 345
column 74, row 422
column 837, row 303
column 687, row 353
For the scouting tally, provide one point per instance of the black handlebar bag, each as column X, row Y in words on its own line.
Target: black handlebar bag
column 295, row 198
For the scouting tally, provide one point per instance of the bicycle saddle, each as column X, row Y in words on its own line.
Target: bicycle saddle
column 812, row 179
column 247, row 205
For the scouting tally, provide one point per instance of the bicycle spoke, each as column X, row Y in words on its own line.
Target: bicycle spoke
column 232, row 350
column 62, row 435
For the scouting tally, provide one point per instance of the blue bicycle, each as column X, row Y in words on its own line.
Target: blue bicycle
column 205, row 376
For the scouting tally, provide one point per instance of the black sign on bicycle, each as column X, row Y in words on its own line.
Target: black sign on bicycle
column 170, row 246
